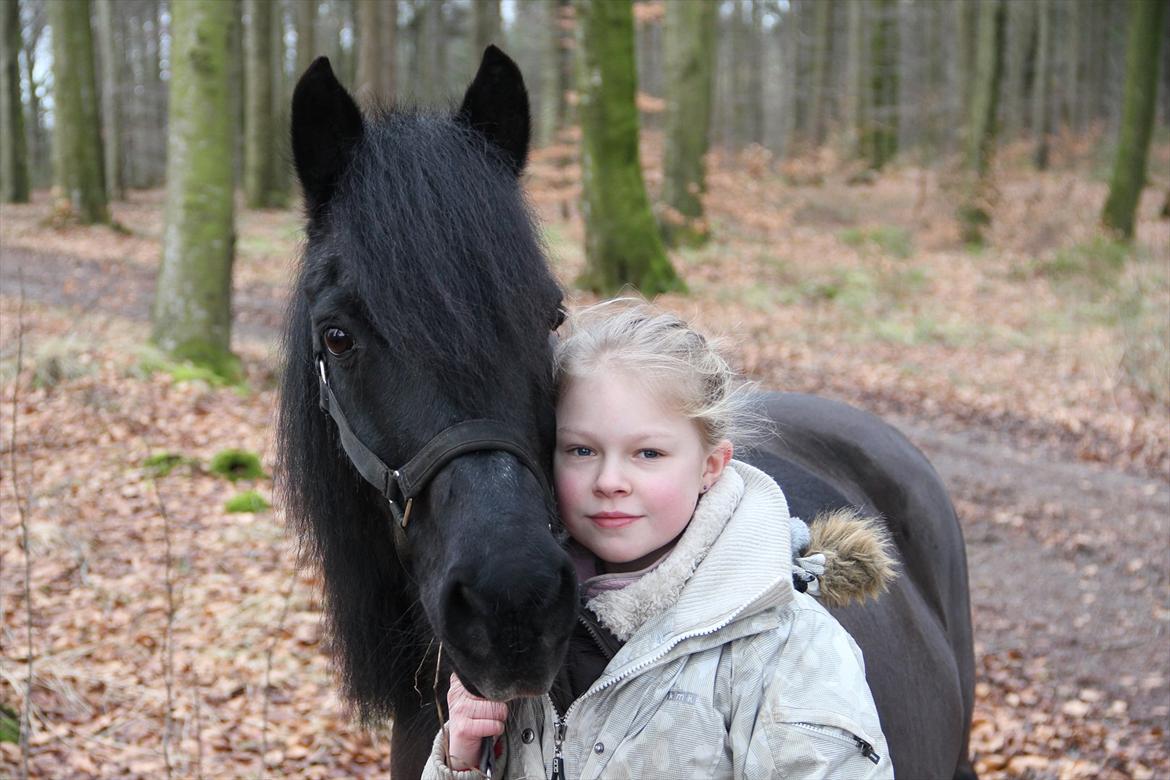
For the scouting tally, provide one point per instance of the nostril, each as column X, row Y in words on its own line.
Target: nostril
column 464, row 603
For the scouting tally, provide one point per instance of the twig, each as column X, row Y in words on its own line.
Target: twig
column 169, row 655
column 198, row 734
column 26, row 710
column 268, row 670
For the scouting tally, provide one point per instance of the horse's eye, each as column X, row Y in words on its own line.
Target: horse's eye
column 559, row 317
column 337, row 341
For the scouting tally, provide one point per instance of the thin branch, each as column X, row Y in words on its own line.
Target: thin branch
column 169, row 655
column 26, row 710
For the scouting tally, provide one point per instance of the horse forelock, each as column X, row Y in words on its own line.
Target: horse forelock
column 433, row 236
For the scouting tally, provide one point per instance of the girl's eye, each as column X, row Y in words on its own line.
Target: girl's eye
column 337, row 341
column 650, row 454
column 581, row 452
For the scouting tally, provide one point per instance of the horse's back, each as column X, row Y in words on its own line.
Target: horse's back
column 917, row 637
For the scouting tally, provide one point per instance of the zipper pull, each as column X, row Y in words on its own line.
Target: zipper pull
column 558, row 763
column 867, row 750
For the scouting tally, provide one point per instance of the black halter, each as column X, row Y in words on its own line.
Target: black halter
column 400, row 486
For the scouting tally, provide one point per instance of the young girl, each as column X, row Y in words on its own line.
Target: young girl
column 695, row 655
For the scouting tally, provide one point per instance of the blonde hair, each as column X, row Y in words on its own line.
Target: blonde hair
column 670, row 356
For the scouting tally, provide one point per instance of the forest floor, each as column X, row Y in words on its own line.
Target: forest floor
column 1035, row 373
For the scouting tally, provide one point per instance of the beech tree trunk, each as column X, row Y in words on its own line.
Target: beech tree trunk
column 14, row 179
column 192, row 305
column 1041, row 99
column 111, row 100
column 389, row 46
column 77, row 157
column 486, row 15
column 306, row 22
column 260, row 190
column 369, row 58
column 1141, row 84
column 622, row 244
column 975, row 213
column 690, row 68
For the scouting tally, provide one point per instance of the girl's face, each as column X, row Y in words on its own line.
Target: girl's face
column 628, row 468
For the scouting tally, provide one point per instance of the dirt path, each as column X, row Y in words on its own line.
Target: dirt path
column 1069, row 561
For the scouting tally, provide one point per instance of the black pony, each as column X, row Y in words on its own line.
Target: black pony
column 424, row 301
column 420, row 323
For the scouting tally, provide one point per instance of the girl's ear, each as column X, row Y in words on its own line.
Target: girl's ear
column 716, row 461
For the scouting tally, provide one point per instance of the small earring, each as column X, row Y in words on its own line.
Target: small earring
column 704, row 490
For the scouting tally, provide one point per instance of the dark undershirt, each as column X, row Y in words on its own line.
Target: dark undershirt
column 591, row 647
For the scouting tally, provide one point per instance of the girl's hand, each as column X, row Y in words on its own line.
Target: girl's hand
column 472, row 719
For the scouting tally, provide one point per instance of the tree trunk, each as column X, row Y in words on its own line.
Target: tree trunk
column 879, row 136
column 259, row 161
column 1041, row 99
column 389, row 48
column 111, row 100
column 77, row 177
column 856, row 77
column 369, row 58
column 622, row 244
column 35, row 135
column 487, row 25
column 1141, row 83
column 236, row 66
column 281, row 105
column 819, row 83
column 550, row 82
column 975, row 213
column 192, row 306
column 14, row 182
column 690, row 65
column 1019, row 35
column 428, row 54
column 306, row 22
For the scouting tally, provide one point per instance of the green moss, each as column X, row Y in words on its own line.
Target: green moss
column 1092, row 266
column 888, row 239
column 163, row 463
column 237, row 464
column 9, row 724
column 152, row 360
column 248, row 501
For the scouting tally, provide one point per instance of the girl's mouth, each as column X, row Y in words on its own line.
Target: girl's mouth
column 612, row 519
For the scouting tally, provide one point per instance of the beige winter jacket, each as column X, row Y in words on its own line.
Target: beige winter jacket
column 736, row 676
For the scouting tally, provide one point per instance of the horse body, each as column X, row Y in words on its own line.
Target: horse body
column 916, row 638
column 424, row 301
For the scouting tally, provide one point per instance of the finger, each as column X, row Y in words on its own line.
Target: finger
column 478, row 729
column 482, row 708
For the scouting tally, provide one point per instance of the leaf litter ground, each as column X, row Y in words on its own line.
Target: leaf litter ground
column 1033, row 378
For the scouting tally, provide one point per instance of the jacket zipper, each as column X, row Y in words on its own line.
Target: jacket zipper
column 558, row 767
column 866, row 749
column 562, row 721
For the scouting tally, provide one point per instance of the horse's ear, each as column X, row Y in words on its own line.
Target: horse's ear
column 496, row 104
column 326, row 125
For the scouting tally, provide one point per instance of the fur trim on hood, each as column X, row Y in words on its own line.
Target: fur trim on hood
column 858, row 556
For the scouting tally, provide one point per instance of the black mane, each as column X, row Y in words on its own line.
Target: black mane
column 429, row 231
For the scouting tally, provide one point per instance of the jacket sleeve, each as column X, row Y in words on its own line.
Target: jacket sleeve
column 436, row 767
column 813, row 715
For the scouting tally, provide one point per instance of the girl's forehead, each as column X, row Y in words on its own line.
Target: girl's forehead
column 614, row 389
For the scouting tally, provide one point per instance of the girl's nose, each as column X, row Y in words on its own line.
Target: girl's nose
column 611, row 480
